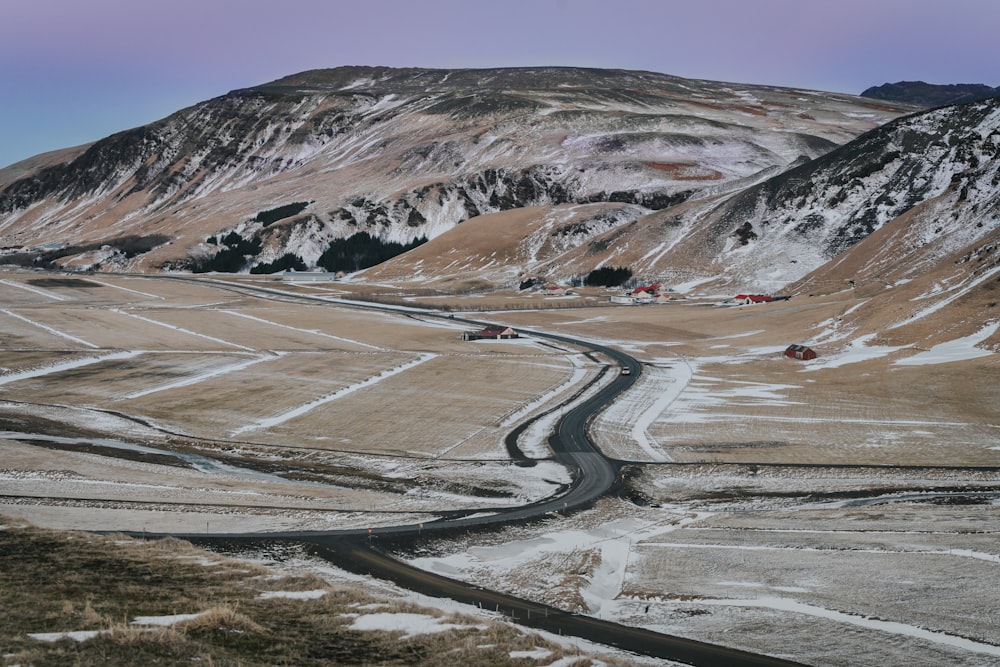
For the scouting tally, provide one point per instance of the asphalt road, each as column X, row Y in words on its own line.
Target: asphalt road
column 593, row 476
column 357, row 556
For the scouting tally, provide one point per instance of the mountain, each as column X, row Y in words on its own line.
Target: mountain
column 930, row 94
column 939, row 166
column 461, row 179
column 356, row 163
column 906, row 199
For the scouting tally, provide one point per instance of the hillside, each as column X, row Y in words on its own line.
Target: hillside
column 906, row 200
column 404, row 155
column 482, row 179
column 943, row 162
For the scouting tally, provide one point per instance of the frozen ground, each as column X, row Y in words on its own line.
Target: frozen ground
column 826, row 562
column 764, row 509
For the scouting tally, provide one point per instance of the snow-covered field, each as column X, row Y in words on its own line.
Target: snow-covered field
column 762, row 565
column 764, row 508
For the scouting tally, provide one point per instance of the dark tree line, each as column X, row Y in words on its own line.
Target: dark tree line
column 231, row 258
column 287, row 262
column 608, row 276
column 354, row 253
column 273, row 215
column 130, row 246
column 360, row 251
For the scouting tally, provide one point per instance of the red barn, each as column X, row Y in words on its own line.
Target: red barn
column 800, row 352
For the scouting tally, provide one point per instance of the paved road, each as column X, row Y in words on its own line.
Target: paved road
column 593, row 476
column 357, row 556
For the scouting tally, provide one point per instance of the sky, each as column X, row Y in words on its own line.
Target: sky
column 72, row 72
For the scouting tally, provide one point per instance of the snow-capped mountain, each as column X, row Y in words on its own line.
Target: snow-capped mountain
column 280, row 174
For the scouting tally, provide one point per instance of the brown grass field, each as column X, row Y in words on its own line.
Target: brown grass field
column 322, row 415
column 205, row 365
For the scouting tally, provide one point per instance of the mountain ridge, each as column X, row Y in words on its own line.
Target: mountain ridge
column 402, row 165
column 490, row 179
column 930, row 94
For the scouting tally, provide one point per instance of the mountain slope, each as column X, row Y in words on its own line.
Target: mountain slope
column 407, row 154
column 773, row 233
column 930, row 180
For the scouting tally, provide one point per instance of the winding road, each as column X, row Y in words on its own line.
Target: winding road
column 362, row 550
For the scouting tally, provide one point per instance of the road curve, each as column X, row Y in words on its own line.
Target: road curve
column 593, row 476
column 357, row 556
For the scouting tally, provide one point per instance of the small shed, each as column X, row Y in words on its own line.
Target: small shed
column 495, row 333
column 800, row 352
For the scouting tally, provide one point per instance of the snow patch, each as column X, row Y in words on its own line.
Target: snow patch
column 892, row 627
column 857, row 350
column 293, row 595
column 409, row 624
column 959, row 349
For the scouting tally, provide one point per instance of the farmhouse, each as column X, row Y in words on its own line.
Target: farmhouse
column 642, row 297
column 800, row 352
column 495, row 333
column 753, row 298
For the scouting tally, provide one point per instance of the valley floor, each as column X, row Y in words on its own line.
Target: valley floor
column 834, row 512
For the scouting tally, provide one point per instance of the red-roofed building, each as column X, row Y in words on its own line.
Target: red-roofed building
column 800, row 352
column 754, row 298
column 494, row 333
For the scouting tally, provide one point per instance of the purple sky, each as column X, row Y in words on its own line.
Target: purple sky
column 73, row 71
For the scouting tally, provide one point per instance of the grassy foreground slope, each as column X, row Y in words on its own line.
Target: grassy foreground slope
column 122, row 601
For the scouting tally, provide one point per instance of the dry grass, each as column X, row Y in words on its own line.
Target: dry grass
column 209, row 368
column 743, row 402
column 63, row 581
column 221, row 618
column 443, row 402
column 454, row 405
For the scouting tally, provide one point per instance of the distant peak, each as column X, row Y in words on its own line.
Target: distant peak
column 931, row 94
